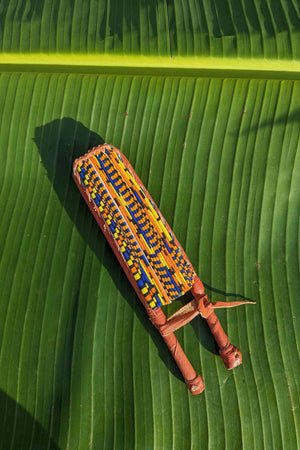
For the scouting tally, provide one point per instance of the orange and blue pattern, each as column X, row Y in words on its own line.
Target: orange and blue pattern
column 160, row 269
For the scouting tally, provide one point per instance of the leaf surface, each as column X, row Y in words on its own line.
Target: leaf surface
column 218, row 149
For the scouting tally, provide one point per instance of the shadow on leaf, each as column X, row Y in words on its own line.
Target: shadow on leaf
column 59, row 143
column 19, row 429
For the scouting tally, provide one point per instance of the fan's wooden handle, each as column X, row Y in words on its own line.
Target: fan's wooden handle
column 192, row 379
column 231, row 355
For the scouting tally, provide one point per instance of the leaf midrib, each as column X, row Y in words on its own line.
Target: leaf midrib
column 151, row 65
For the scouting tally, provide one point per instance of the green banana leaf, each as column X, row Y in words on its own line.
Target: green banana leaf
column 204, row 100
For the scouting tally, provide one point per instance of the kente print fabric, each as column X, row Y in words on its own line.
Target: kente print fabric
column 159, row 266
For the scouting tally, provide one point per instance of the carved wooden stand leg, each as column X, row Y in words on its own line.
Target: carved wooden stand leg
column 192, row 379
column 231, row 355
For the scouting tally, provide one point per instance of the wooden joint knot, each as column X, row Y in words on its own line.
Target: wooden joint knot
column 205, row 307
